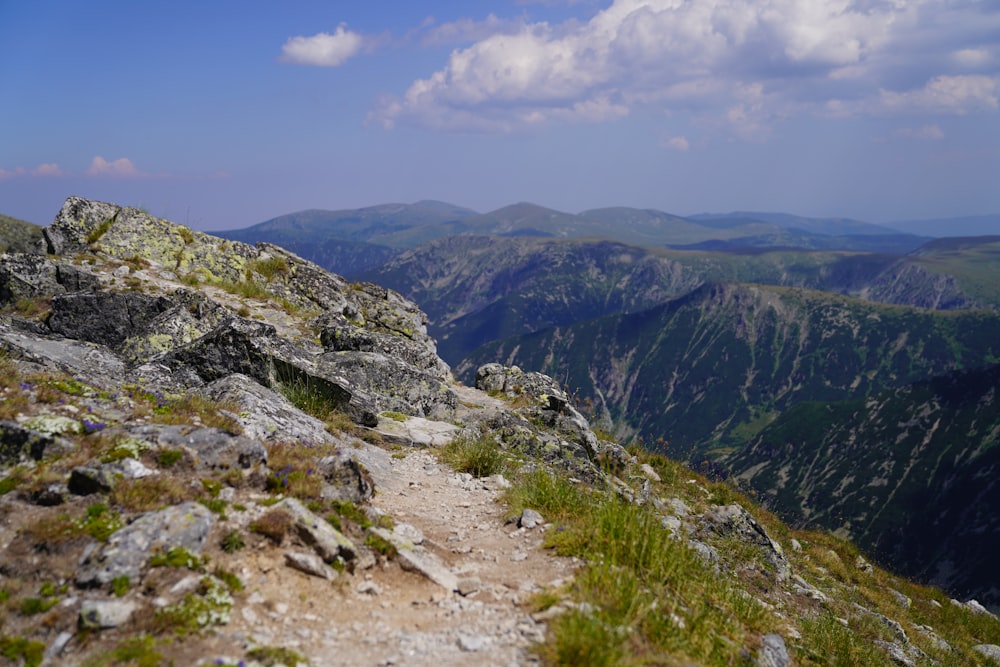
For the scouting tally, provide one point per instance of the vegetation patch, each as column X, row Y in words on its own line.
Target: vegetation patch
column 270, row 656
column 16, row 649
column 480, row 457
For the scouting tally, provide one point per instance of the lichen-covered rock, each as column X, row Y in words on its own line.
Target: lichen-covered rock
column 104, row 317
column 773, row 652
column 328, row 542
column 344, row 478
column 102, row 614
column 734, row 520
column 350, row 338
column 128, row 550
column 392, row 384
column 265, row 414
column 212, row 448
column 78, row 224
column 99, row 365
column 26, row 276
column 18, row 442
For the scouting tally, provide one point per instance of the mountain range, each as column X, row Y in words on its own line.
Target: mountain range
column 716, row 337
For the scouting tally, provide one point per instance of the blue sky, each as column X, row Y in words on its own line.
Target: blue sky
column 222, row 114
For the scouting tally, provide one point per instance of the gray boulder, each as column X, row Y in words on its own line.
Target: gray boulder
column 328, row 542
column 18, row 442
column 128, row 550
column 391, row 384
column 773, row 652
column 213, row 448
column 734, row 520
column 265, row 414
column 102, row 614
column 107, row 318
column 30, row 276
column 344, row 478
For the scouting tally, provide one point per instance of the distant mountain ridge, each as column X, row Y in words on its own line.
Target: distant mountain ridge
column 357, row 240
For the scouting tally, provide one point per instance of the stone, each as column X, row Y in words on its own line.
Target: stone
column 128, row 550
column 415, row 558
column 102, row 367
column 329, row 543
column 29, row 276
column 213, row 448
column 991, row 651
column 863, row 565
column 107, row 318
column 265, row 414
column 896, row 653
column 471, row 643
column 529, row 519
column 773, row 652
column 18, row 442
column 735, row 520
column 468, row 585
column 344, row 478
column 310, row 564
column 101, row 614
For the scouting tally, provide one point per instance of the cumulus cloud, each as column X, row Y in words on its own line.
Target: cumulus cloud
column 323, row 49
column 702, row 56
column 678, row 143
column 466, row 30
column 44, row 169
column 120, row 167
column 47, row 169
column 947, row 95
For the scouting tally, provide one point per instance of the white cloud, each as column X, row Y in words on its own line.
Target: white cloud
column 467, row 30
column 120, row 167
column 947, row 95
column 44, row 169
column 828, row 57
column 323, row 49
column 678, row 143
column 926, row 132
column 47, row 169
column 5, row 173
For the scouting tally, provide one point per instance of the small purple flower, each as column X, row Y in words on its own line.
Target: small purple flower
column 92, row 427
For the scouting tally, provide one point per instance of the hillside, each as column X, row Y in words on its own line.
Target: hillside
column 219, row 454
column 910, row 474
column 359, row 240
column 710, row 369
column 18, row 235
column 480, row 289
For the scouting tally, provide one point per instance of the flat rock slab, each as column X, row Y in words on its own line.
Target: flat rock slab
column 416, row 432
column 128, row 550
column 416, row 558
column 328, row 542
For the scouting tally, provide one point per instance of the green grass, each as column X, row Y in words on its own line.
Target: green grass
column 480, row 457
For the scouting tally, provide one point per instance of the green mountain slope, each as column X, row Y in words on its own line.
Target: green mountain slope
column 710, row 370
column 910, row 474
column 478, row 289
column 18, row 235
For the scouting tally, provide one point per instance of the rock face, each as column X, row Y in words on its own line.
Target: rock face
column 128, row 551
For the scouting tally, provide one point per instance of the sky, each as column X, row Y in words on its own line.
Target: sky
column 221, row 114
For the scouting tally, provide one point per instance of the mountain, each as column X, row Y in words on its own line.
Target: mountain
column 18, row 235
column 910, row 474
column 709, row 370
column 973, row 225
column 478, row 289
column 359, row 240
column 219, row 454
column 823, row 226
column 352, row 241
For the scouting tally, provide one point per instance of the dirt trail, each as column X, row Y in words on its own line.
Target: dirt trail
column 386, row 616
